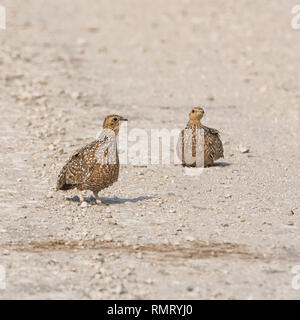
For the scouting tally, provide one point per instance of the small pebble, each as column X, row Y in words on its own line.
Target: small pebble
column 84, row 204
column 291, row 213
column 75, row 95
column 244, row 149
column 112, row 221
column 190, row 238
column 120, row 289
column 108, row 237
column 81, row 42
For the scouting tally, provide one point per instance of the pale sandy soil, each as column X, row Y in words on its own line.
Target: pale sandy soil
column 227, row 234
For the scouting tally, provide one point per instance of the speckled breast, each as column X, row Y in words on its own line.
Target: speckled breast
column 103, row 176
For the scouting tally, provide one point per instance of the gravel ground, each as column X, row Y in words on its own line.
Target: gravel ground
column 232, row 232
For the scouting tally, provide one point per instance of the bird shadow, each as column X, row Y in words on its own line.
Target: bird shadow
column 215, row 164
column 108, row 201
column 117, row 200
column 221, row 164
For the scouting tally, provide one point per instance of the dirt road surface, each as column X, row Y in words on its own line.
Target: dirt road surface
column 232, row 232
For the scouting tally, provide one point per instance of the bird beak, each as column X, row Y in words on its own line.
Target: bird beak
column 124, row 119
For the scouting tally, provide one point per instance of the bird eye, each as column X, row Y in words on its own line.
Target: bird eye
column 193, row 111
column 115, row 119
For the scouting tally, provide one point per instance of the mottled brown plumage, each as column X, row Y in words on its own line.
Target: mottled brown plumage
column 190, row 144
column 95, row 166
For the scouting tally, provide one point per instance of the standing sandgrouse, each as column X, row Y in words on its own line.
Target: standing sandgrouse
column 95, row 166
column 190, row 140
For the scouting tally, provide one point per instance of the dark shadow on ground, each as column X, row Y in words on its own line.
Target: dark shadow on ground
column 117, row 200
column 114, row 200
column 216, row 164
column 221, row 164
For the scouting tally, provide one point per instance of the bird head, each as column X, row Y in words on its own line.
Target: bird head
column 113, row 122
column 196, row 113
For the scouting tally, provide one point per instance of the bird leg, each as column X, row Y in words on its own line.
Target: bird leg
column 98, row 200
column 80, row 195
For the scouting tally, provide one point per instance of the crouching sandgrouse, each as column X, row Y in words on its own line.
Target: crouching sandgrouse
column 191, row 144
column 95, row 166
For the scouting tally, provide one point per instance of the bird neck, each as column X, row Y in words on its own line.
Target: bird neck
column 110, row 132
column 194, row 123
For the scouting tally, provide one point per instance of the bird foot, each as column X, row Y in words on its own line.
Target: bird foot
column 100, row 203
column 98, row 200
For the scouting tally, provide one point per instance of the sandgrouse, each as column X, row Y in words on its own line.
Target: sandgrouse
column 190, row 141
column 95, row 166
